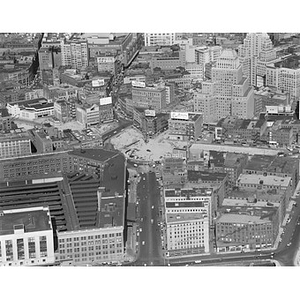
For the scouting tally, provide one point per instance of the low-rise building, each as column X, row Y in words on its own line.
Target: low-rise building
column 150, row 122
column 274, row 165
column 213, row 180
column 89, row 213
column 88, row 115
column 26, row 237
column 31, row 109
column 174, row 172
column 187, row 219
column 185, row 126
column 242, row 229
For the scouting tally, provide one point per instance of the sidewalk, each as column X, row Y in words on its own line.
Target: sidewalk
column 131, row 244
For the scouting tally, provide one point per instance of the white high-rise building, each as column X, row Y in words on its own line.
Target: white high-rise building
column 163, row 39
column 228, row 92
column 74, row 54
column 187, row 214
column 256, row 51
column 26, row 237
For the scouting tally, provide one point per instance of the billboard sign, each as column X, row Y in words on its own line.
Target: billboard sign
column 272, row 109
column 106, row 100
column 138, row 84
column 149, row 113
column 180, row 115
column 97, row 82
column 105, row 60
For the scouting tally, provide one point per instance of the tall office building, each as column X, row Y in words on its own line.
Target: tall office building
column 256, row 51
column 149, row 97
column 163, row 39
column 74, row 54
column 228, row 91
column 187, row 219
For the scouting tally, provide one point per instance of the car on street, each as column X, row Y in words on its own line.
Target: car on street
column 151, row 221
column 141, row 229
column 152, row 206
column 143, row 243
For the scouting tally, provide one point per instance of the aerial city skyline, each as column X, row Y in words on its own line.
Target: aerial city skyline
column 149, row 149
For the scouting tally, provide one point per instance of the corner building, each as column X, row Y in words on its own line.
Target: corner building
column 187, row 217
column 26, row 237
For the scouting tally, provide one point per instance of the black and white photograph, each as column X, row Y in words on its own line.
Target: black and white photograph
column 170, row 150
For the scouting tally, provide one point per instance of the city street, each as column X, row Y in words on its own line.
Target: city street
column 148, row 193
column 286, row 254
column 122, row 125
column 283, row 254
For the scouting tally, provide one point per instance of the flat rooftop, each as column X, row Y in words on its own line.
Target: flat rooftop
column 32, row 102
column 241, row 219
column 27, row 220
column 95, row 154
column 191, row 118
column 176, row 217
column 259, row 162
column 283, row 164
column 114, row 175
column 14, row 136
column 250, row 194
column 242, row 202
column 185, row 204
column 187, row 193
column 112, row 212
column 264, row 180
column 205, row 176
column 41, row 194
column 273, row 164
